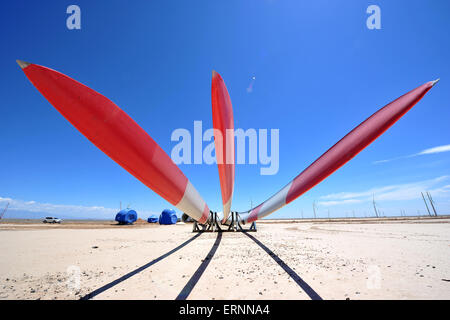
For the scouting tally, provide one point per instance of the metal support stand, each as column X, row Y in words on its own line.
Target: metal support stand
column 214, row 225
column 211, row 225
column 196, row 227
column 252, row 226
column 234, row 224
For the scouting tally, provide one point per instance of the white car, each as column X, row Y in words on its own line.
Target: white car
column 51, row 220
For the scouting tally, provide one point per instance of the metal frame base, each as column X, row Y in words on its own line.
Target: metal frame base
column 214, row 225
column 211, row 225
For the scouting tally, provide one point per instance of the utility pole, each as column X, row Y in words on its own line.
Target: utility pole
column 314, row 209
column 432, row 203
column 120, row 206
column 302, row 213
column 328, row 214
column 4, row 211
column 425, row 203
column 374, row 205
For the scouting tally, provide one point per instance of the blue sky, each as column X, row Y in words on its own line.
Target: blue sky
column 319, row 71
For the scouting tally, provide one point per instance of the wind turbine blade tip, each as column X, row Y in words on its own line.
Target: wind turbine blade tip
column 435, row 81
column 23, row 64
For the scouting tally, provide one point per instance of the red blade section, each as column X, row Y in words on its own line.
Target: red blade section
column 120, row 137
column 348, row 147
column 223, row 123
column 355, row 141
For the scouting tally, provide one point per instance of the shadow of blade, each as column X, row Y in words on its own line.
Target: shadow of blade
column 132, row 273
column 305, row 287
column 198, row 273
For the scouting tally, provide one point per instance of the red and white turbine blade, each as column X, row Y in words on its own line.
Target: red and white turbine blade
column 223, row 123
column 340, row 153
column 120, row 137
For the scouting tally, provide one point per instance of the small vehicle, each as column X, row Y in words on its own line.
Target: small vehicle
column 51, row 220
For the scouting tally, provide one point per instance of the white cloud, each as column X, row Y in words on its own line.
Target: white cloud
column 338, row 202
column 434, row 150
column 399, row 192
column 63, row 210
column 439, row 149
column 441, row 192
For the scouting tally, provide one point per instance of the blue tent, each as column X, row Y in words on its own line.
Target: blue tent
column 153, row 219
column 168, row 216
column 126, row 216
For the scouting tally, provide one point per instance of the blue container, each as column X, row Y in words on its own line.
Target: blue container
column 168, row 216
column 153, row 219
column 126, row 216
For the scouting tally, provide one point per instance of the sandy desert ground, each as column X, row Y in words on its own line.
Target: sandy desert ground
column 359, row 259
